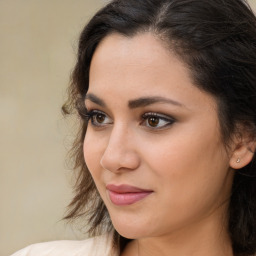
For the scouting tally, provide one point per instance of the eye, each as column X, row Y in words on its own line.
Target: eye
column 98, row 118
column 157, row 121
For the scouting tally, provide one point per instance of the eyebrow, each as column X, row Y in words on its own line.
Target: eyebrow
column 93, row 98
column 136, row 103
column 146, row 101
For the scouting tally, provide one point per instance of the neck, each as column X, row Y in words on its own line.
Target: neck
column 209, row 237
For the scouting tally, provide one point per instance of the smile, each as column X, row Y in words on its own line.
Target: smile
column 126, row 194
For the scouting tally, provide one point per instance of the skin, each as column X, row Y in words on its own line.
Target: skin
column 182, row 160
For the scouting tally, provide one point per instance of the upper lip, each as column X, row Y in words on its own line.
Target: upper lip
column 124, row 188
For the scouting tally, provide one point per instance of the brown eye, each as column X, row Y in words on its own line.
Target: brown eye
column 100, row 118
column 153, row 121
column 156, row 121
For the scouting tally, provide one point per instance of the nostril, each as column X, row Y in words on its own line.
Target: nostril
column 121, row 160
column 120, row 152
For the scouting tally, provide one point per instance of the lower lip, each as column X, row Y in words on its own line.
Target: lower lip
column 127, row 198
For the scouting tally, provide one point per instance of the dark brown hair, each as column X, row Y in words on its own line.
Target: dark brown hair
column 216, row 39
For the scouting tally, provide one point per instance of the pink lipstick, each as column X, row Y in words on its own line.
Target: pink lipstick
column 126, row 194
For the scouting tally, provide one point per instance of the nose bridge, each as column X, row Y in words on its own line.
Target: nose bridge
column 120, row 152
column 119, row 134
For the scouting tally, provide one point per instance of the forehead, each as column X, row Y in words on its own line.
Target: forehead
column 142, row 57
column 140, row 66
column 145, row 45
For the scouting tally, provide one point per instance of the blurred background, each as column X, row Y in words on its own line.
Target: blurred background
column 37, row 53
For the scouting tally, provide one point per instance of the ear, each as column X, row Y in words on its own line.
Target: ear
column 243, row 151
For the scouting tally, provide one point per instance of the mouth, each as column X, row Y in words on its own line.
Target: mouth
column 126, row 194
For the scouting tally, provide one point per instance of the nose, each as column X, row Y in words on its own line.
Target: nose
column 120, row 153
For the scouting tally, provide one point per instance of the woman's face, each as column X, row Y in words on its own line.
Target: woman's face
column 153, row 143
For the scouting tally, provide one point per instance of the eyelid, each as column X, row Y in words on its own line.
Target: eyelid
column 160, row 115
column 91, row 106
column 92, row 113
column 166, row 118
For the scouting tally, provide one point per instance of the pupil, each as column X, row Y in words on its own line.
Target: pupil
column 153, row 121
column 100, row 118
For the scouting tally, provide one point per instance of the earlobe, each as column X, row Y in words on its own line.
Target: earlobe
column 242, row 155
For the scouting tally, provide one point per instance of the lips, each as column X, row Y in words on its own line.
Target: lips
column 126, row 194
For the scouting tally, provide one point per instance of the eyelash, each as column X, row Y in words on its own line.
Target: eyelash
column 159, row 118
column 91, row 115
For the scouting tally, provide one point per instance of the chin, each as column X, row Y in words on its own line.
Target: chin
column 131, row 229
column 129, row 234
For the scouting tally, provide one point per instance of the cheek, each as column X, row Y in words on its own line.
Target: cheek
column 187, row 150
column 92, row 150
column 188, row 166
column 92, row 153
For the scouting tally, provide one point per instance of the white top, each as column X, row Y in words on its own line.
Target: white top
column 97, row 246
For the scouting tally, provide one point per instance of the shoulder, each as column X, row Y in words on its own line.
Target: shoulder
column 96, row 246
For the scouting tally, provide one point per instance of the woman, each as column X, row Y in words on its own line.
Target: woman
column 166, row 91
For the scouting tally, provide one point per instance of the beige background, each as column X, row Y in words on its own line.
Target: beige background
column 37, row 51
